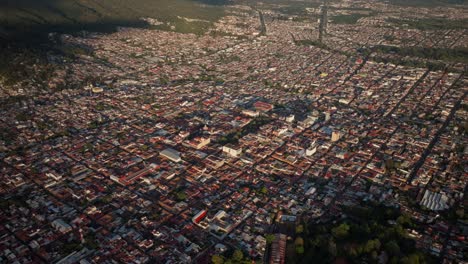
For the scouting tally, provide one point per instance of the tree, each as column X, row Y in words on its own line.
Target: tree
column 269, row 238
column 90, row 241
column 217, row 259
column 299, row 241
column 371, row 245
column 361, row 231
column 404, row 220
column 332, row 248
column 413, row 259
column 352, row 252
column 389, row 165
column 341, row 231
column 299, row 229
column 392, row 248
column 460, row 213
column 181, row 196
column 300, row 250
column 237, row 255
column 144, row 147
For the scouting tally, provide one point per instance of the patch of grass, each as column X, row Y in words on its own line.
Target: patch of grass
column 297, row 9
column 183, row 26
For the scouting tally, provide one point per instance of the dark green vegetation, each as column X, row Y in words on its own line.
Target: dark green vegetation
column 443, row 54
column 183, row 26
column 22, row 17
column 431, row 23
column 252, row 127
column 18, row 66
column 369, row 231
column 426, row 3
column 348, row 19
column 27, row 62
column 295, row 9
column 237, row 257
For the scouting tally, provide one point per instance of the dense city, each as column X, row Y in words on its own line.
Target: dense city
column 262, row 140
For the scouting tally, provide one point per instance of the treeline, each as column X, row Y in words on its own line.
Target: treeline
column 427, row 3
column 237, row 257
column 433, row 66
column 370, row 232
column 182, row 26
column 431, row 23
column 443, row 54
column 348, row 19
column 28, row 20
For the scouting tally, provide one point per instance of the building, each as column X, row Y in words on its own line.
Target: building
column 250, row 113
column 232, row 150
column 336, row 135
column 323, row 21
column 278, row 249
column 220, row 248
column 312, row 149
column 61, row 226
column 199, row 142
column 221, row 222
column 262, row 106
column 435, row 201
column 54, row 176
column 290, row 118
column 199, row 216
column 171, row 154
column 311, row 191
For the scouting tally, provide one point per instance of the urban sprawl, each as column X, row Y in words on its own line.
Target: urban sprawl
column 163, row 147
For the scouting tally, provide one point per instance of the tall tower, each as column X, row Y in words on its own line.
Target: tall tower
column 263, row 28
column 323, row 20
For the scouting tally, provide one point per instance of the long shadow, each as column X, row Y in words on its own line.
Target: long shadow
column 26, row 35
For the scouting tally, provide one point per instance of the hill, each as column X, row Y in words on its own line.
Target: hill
column 21, row 18
column 427, row 3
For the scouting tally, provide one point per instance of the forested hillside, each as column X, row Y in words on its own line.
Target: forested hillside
column 38, row 16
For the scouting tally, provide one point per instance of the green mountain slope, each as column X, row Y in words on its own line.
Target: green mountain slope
column 37, row 16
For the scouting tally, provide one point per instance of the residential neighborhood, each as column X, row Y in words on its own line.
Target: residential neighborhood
column 165, row 147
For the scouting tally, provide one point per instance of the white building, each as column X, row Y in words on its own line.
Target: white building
column 171, row 154
column 435, row 201
column 232, row 150
column 61, row 226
